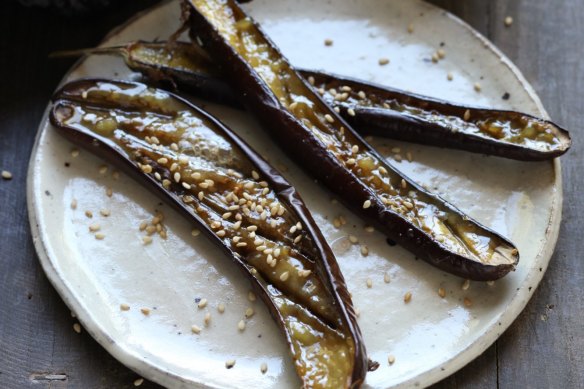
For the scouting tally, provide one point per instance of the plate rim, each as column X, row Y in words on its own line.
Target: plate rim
column 162, row 375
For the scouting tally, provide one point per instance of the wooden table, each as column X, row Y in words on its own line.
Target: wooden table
column 544, row 348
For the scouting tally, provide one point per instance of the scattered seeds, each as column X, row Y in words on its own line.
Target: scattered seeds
column 99, row 236
column 202, row 304
column 77, row 328
column 147, row 239
column 89, row 214
column 441, row 53
column 328, row 42
column 221, row 308
column 369, row 282
column 465, row 285
column 94, row 227
column 386, row 278
column 351, row 112
column 249, row 312
column 364, row 251
column 441, row 292
column 195, row 232
column 467, row 302
column 263, row 368
column 508, row 21
column 369, row 229
column 109, row 192
column 145, row 311
column 353, row 239
column 383, row 61
column 477, row 87
column 73, row 204
column 490, row 283
column 408, row 297
column 195, row 329
column 241, row 325
column 450, row 76
column 391, row 359
column 139, row 382
column 466, row 115
column 284, row 276
column 366, row 204
column 251, row 296
column 102, row 169
column 74, row 153
column 230, row 363
column 105, row 212
column 207, row 319
column 124, row 307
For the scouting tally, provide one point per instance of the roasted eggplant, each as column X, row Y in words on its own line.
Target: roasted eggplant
column 319, row 139
column 241, row 203
column 370, row 109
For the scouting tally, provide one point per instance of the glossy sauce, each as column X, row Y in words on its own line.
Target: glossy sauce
column 448, row 228
column 191, row 159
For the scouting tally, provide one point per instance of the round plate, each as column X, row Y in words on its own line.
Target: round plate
column 430, row 337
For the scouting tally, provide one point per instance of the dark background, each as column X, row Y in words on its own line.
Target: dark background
column 542, row 349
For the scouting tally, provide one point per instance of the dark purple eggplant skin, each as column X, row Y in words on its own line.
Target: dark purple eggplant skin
column 292, row 136
column 395, row 125
column 328, row 266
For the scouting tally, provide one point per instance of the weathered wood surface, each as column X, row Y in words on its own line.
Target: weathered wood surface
column 544, row 348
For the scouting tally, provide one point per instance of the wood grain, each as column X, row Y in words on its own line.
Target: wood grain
column 38, row 347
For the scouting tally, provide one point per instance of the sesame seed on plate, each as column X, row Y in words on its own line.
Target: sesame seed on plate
column 465, row 285
column 73, row 204
column 391, row 359
column 221, row 308
column 351, row 112
column 138, row 381
column 146, row 240
column 230, row 363
column 202, row 304
column 77, row 328
column 249, row 312
column 386, row 278
column 441, row 292
column 408, row 297
column 99, row 236
column 124, row 307
column 145, row 311
column 366, row 204
column 207, row 319
column 508, row 21
column 263, row 368
column 328, row 42
column 284, row 276
column 369, row 282
column 241, row 325
column 195, row 329
column 383, row 61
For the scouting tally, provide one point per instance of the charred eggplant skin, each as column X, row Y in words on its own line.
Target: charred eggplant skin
column 386, row 122
column 295, row 139
column 326, row 264
column 437, row 122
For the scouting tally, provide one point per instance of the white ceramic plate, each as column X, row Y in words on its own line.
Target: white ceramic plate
column 431, row 337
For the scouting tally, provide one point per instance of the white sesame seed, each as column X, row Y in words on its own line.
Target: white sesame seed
column 369, row 282
column 102, row 169
column 391, row 359
column 284, row 276
column 195, row 329
column 195, row 232
column 490, row 283
column 466, row 115
column 251, row 296
column 351, row 112
column 147, row 239
column 383, row 61
column 202, row 304
column 407, row 297
column 230, row 363
column 465, row 285
column 364, row 251
column 404, row 184
column 241, row 325
column 353, row 239
column 386, row 278
column 441, row 53
column 176, row 177
column 138, row 381
column 355, row 149
column 441, row 292
column 366, row 204
column 74, row 204
column 105, row 212
column 221, row 308
column 477, row 87
column 361, row 95
column 297, row 239
column 77, row 328
column 411, row 28
column 249, row 312
column 207, row 319
column 99, row 236
column 221, row 233
column 162, row 161
column 255, row 175
column 145, row 311
column 328, row 42
column 508, row 21
column 263, row 368
column 329, row 118
column 94, row 227
column 186, row 186
column 124, row 307
column 369, row 229
column 449, row 76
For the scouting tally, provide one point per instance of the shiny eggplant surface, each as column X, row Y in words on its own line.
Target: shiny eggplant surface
column 241, row 203
column 370, row 109
column 315, row 136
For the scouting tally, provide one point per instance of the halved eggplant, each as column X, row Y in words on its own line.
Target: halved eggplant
column 315, row 136
column 239, row 201
column 371, row 109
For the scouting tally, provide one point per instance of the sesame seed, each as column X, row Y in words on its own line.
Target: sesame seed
column 369, row 229
column 369, row 282
column 200, row 196
column 162, row 160
column 411, row 28
column 173, row 167
column 124, row 307
column 404, row 183
column 147, row 240
column 351, row 161
column 304, row 273
column 450, row 76
column 249, row 312
column 397, row 157
column 202, row 304
column 230, row 363
column 441, row 292
column 284, row 276
column 94, row 227
column 386, row 278
column 241, row 325
column 89, row 214
column 139, row 382
column 409, row 156
column 102, row 169
column 105, row 212
column 361, row 95
column 407, row 297
column 221, row 308
column 74, row 153
column 391, row 359
column 328, row 42
column 251, row 296
column 73, row 204
column 99, row 236
column 145, row 311
column 226, row 215
column 207, row 319
column 355, row 149
column 297, row 239
column 241, row 244
column 351, row 112
column 477, row 87
column 465, row 285
column 382, row 170
column 255, row 175
column 337, row 109
column 366, row 204
column 508, row 21
column 263, row 368
column 166, row 183
column 329, row 118
column 299, row 226
column 353, row 239
column 221, row 233
column 364, row 251
column 195, row 232
column 77, row 328
column 467, row 302
column 490, row 283
column 195, row 329
column 186, row 186
column 383, row 61
column 441, row 53
column 435, row 58
column 176, row 177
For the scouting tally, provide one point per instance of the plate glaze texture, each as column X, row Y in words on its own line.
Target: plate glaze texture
column 430, row 337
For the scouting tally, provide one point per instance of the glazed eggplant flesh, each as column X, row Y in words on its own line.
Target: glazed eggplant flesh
column 370, row 109
column 396, row 114
column 238, row 200
column 315, row 136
